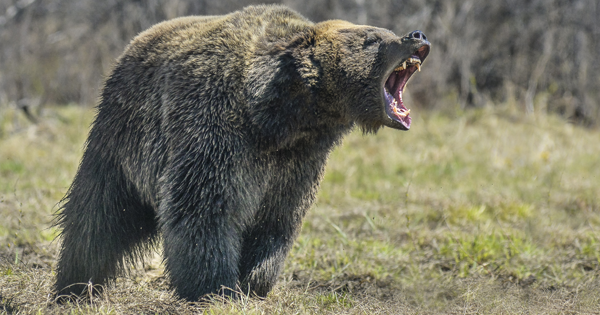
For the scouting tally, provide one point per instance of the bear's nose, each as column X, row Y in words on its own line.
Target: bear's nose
column 417, row 35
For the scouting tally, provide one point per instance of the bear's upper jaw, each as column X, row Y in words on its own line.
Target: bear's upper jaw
column 394, row 87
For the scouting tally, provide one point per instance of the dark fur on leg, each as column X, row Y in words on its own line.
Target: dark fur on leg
column 290, row 194
column 104, row 225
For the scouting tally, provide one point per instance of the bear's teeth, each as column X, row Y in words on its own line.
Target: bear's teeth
column 414, row 60
column 400, row 112
column 410, row 61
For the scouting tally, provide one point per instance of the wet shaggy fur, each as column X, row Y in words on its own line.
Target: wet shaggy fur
column 212, row 133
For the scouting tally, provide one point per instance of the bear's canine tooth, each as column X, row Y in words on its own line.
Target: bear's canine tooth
column 418, row 65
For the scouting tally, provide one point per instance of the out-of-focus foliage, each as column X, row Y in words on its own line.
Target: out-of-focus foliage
column 540, row 54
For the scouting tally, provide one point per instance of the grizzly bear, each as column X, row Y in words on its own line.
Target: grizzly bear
column 211, row 137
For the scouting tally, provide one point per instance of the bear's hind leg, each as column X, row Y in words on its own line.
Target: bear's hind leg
column 103, row 223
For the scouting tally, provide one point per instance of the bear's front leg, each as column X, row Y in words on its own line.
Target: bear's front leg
column 278, row 220
column 201, row 255
column 201, row 226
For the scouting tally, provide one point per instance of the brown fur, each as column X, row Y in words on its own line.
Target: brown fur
column 213, row 133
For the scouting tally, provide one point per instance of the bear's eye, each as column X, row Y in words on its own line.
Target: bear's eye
column 371, row 39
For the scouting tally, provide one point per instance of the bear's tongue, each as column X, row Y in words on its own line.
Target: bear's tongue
column 394, row 87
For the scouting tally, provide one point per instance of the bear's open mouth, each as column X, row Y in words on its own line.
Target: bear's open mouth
column 395, row 84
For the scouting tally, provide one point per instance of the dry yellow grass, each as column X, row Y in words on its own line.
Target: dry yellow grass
column 482, row 211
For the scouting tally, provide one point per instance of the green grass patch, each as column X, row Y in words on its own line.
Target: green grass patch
column 482, row 211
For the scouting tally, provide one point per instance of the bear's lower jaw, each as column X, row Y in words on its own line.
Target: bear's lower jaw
column 396, row 110
column 393, row 90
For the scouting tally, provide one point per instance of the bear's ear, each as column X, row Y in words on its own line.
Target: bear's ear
column 279, row 92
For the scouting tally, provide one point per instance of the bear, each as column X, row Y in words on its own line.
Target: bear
column 211, row 138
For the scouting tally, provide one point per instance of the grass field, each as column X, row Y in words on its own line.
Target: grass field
column 484, row 211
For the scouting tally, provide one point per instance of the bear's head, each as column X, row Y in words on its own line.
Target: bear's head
column 365, row 70
column 329, row 75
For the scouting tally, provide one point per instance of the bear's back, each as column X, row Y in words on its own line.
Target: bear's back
column 237, row 33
